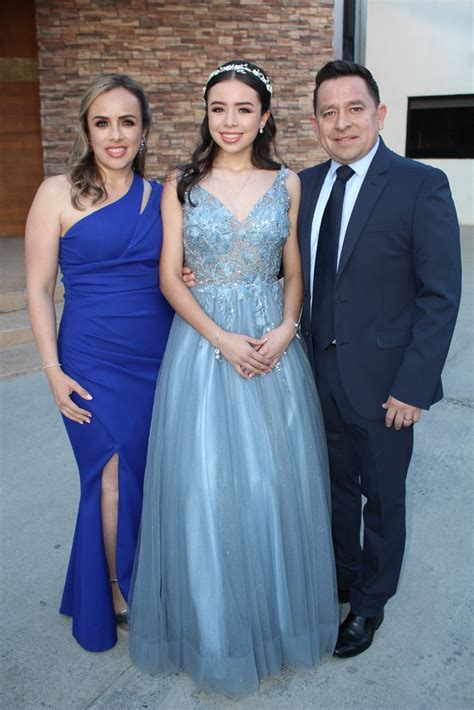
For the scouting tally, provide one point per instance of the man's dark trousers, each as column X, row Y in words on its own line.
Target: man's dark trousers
column 364, row 456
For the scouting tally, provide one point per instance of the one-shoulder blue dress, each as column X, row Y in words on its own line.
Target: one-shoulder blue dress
column 111, row 340
column 235, row 572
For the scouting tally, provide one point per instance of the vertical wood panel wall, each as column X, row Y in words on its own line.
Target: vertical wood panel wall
column 21, row 165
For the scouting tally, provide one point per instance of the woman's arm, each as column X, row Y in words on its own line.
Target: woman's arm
column 240, row 350
column 42, row 236
column 281, row 337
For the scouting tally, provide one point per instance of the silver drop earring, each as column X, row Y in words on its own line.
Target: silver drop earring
column 260, row 130
column 142, row 147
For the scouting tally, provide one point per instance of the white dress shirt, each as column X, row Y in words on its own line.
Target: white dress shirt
column 353, row 186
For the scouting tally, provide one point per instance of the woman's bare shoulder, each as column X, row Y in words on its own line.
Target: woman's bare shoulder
column 56, row 187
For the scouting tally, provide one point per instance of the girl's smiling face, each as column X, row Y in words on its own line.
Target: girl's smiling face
column 235, row 115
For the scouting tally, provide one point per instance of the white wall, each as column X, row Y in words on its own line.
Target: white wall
column 423, row 48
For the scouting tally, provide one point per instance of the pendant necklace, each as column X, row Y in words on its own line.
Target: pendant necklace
column 237, row 194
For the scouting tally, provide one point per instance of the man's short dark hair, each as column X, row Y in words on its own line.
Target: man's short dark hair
column 338, row 68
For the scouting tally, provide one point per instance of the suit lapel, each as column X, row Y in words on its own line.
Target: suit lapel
column 309, row 197
column 371, row 190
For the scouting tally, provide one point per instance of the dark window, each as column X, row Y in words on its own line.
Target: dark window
column 440, row 127
column 348, row 30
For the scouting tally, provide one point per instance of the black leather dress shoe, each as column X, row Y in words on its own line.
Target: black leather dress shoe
column 343, row 596
column 356, row 634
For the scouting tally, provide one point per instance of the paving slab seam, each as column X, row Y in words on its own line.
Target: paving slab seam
column 459, row 402
column 20, row 373
column 105, row 690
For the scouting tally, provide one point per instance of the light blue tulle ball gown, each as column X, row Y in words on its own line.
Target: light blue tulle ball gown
column 234, row 577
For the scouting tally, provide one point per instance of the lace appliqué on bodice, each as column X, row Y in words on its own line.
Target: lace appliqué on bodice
column 223, row 251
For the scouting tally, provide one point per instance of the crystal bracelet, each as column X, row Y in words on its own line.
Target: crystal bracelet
column 55, row 364
column 217, row 352
column 296, row 324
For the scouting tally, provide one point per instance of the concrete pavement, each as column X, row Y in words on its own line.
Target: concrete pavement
column 422, row 655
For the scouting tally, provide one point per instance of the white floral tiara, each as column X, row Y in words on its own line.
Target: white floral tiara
column 241, row 69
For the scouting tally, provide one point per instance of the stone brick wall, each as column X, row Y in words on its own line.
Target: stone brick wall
column 170, row 47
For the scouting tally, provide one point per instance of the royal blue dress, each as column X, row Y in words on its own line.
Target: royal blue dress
column 111, row 340
column 235, row 571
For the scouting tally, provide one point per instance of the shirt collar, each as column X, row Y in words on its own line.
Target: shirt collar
column 361, row 166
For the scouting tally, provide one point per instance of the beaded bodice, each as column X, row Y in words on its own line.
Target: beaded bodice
column 223, row 251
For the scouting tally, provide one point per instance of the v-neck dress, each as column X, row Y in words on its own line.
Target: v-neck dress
column 111, row 340
column 235, row 570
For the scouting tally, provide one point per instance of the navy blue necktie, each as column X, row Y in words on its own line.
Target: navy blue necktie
column 322, row 313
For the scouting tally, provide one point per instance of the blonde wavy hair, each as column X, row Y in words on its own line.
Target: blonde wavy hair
column 84, row 175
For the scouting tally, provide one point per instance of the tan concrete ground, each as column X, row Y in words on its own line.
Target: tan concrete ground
column 18, row 353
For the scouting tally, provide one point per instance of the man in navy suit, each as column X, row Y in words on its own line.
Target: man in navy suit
column 378, row 316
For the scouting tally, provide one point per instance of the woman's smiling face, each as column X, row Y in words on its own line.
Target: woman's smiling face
column 115, row 128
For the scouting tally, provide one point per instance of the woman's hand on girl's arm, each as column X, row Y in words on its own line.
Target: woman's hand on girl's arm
column 189, row 277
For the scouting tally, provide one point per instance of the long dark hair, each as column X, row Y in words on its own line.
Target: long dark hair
column 264, row 144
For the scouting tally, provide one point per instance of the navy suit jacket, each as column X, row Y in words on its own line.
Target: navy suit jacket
column 398, row 282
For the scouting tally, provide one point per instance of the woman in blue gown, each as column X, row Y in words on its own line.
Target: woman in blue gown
column 102, row 222
column 235, row 572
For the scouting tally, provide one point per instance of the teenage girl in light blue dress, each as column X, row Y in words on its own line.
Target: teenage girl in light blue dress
column 235, row 573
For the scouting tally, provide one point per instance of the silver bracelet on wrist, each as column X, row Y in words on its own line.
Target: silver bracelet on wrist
column 295, row 323
column 217, row 352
